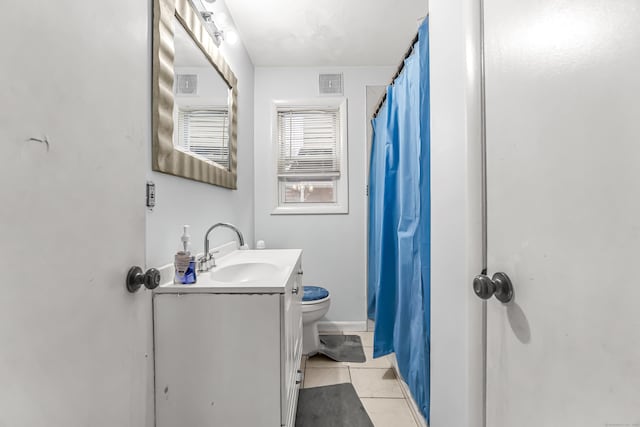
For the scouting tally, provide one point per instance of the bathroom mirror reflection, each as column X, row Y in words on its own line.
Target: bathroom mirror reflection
column 194, row 99
column 201, row 103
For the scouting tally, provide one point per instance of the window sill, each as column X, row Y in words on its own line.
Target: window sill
column 310, row 210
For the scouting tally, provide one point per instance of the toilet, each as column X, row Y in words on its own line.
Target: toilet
column 315, row 304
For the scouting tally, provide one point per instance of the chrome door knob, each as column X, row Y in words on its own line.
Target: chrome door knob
column 499, row 285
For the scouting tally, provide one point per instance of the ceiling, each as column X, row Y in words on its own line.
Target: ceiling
column 327, row 32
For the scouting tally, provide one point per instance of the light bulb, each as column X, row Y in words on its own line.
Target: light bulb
column 221, row 19
column 231, row 37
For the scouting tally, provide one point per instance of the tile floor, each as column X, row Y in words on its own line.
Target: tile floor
column 375, row 382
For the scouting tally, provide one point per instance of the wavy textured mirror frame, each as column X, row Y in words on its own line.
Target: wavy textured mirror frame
column 166, row 156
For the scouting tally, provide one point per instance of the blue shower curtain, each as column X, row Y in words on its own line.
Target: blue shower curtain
column 399, row 225
column 376, row 198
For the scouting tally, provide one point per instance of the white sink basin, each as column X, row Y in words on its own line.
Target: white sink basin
column 247, row 272
column 242, row 271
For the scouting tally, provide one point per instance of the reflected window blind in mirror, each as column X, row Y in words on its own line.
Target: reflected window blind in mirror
column 205, row 133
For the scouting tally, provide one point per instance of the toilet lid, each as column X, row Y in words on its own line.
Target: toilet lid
column 314, row 293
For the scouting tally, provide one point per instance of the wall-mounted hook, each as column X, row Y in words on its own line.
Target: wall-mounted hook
column 44, row 141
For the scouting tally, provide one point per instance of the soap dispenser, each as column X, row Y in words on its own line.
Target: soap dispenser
column 184, row 262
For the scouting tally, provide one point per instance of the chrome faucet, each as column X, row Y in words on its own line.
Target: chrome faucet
column 207, row 256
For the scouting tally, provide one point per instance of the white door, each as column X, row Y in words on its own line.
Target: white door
column 74, row 344
column 563, row 153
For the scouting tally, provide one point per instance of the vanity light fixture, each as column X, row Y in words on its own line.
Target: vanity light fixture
column 231, row 37
column 216, row 30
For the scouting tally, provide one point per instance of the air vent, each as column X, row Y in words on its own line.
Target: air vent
column 331, row 84
column 187, row 84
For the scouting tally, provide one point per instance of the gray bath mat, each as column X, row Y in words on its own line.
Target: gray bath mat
column 342, row 348
column 331, row 406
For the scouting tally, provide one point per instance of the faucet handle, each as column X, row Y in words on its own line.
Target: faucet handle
column 206, row 261
column 202, row 263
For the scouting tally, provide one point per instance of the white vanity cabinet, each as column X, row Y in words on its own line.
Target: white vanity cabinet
column 229, row 355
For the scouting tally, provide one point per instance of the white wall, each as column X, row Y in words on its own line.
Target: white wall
column 456, row 313
column 182, row 201
column 334, row 245
column 212, row 89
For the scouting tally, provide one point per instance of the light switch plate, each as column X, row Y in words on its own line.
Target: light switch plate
column 151, row 195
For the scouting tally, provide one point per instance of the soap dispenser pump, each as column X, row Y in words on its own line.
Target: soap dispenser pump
column 186, row 239
column 185, row 263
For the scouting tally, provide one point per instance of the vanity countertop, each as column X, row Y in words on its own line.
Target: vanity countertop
column 243, row 271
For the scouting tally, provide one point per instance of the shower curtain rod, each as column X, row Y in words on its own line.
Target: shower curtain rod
column 395, row 76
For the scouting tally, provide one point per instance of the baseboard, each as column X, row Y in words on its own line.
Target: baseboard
column 417, row 414
column 332, row 326
column 370, row 325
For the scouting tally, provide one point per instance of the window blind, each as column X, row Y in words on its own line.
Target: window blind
column 309, row 143
column 206, row 132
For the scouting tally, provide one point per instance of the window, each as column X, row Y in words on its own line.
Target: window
column 204, row 131
column 311, row 149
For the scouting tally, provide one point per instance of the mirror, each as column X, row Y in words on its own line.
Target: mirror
column 201, row 103
column 194, row 99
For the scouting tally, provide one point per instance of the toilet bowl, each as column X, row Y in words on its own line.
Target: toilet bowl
column 315, row 304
